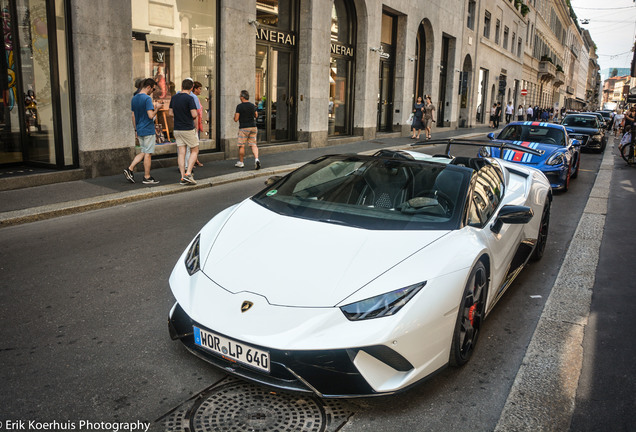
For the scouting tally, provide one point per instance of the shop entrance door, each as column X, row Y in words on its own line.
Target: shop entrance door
column 385, row 101
column 275, row 95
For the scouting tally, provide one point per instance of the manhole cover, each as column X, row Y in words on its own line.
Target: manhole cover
column 241, row 407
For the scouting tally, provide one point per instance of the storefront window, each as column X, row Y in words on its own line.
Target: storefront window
column 275, row 13
column 172, row 41
column 10, row 147
column 341, row 68
column 35, row 110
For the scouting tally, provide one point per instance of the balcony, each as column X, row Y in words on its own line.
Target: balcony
column 559, row 80
column 547, row 71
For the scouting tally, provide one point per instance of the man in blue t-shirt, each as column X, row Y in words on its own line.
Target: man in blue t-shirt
column 144, row 111
column 184, row 111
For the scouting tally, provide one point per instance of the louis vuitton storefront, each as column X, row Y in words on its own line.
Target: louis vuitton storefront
column 173, row 40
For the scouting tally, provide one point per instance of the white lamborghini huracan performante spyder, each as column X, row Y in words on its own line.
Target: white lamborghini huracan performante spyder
column 359, row 275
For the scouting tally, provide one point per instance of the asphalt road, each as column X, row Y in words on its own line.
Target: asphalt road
column 85, row 300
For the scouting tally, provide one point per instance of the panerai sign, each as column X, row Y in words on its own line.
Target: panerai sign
column 341, row 50
column 275, row 36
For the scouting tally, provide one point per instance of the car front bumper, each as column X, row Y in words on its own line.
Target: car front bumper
column 557, row 178
column 327, row 373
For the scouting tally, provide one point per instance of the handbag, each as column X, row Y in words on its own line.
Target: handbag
column 627, row 138
column 409, row 121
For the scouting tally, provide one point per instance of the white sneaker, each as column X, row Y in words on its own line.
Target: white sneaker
column 239, row 164
column 257, row 164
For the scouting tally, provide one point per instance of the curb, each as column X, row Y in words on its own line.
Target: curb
column 34, row 214
column 543, row 395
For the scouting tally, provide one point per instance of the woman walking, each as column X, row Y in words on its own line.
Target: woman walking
column 418, row 112
column 429, row 114
column 520, row 113
column 618, row 121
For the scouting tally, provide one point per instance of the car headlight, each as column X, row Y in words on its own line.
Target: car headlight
column 382, row 305
column 556, row 159
column 192, row 260
column 484, row 151
column 597, row 137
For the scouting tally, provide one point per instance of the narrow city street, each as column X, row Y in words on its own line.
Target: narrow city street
column 85, row 300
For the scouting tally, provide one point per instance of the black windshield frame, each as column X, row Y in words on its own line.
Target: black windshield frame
column 342, row 197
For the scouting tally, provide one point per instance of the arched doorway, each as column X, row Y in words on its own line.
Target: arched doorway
column 388, row 41
column 420, row 87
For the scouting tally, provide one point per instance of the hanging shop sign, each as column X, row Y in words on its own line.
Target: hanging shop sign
column 276, row 36
column 341, row 50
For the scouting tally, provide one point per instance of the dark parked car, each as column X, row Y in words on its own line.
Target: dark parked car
column 601, row 119
column 608, row 116
column 586, row 129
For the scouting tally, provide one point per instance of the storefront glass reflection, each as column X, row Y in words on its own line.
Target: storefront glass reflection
column 35, row 111
column 172, row 41
column 10, row 148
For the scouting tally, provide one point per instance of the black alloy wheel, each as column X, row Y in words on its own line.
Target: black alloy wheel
column 542, row 237
column 472, row 312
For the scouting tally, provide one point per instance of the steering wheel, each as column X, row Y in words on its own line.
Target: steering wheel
column 445, row 202
column 548, row 140
column 442, row 199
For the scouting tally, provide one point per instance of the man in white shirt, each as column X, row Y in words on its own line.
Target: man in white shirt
column 510, row 109
column 529, row 113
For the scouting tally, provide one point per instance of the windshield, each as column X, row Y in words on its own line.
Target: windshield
column 531, row 133
column 372, row 193
column 580, row 121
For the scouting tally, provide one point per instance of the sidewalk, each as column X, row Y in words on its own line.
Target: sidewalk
column 59, row 199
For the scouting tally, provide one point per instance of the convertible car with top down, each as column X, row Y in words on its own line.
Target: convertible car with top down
column 359, row 275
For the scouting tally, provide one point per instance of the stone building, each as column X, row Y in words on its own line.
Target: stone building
column 321, row 72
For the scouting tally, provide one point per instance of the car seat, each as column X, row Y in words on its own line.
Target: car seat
column 386, row 186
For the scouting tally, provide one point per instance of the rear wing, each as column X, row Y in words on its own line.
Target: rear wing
column 478, row 143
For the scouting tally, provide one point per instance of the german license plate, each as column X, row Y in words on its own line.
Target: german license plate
column 232, row 350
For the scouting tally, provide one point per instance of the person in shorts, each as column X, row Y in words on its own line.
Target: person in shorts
column 246, row 115
column 144, row 111
column 184, row 111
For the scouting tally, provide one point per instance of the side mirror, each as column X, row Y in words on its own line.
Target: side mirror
column 512, row 214
column 491, row 136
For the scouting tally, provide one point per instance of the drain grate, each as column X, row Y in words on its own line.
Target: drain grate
column 237, row 406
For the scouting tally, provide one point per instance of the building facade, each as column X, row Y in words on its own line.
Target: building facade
column 321, row 72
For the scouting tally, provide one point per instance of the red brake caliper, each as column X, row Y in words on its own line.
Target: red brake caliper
column 471, row 314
